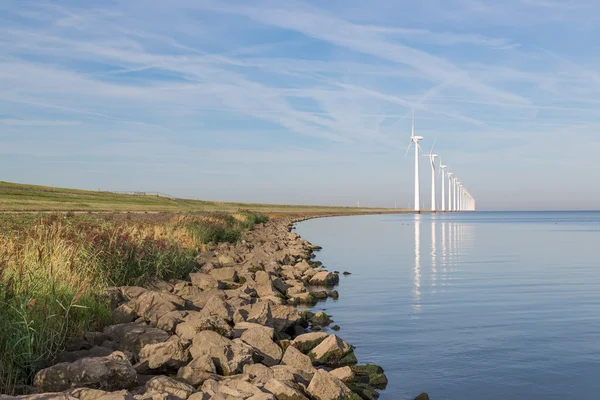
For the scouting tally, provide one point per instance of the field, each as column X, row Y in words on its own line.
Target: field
column 20, row 197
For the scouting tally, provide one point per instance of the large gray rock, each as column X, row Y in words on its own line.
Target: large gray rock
column 169, row 355
column 164, row 384
column 110, row 373
column 197, row 371
column 324, row 278
column 133, row 336
column 283, row 391
column 196, row 322
column 217, row 306
column 308, row 341
column 261, row 340
column 169, row 321
column 325, row 386
column 229, row 356
column 152, row 305
column 260, row 313
column 225, row 274
column 241, row 327
column 333, row 352
column 296, row 359
column 206, row 282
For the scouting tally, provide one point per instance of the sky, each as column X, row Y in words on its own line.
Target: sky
column 304, row 102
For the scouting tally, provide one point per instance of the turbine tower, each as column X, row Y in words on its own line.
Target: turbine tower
column 415, row 139
column 450, row 195
column 443, row 174
column 432, row 162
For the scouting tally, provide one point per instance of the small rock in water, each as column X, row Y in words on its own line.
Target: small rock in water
column 334, row 294
column 336, row 327
column 347, row 273
column 422, row 396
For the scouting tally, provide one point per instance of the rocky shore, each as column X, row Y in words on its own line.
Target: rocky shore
column 232, row 331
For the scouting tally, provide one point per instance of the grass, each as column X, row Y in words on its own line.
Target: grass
column 20, row 197
column 55, row 269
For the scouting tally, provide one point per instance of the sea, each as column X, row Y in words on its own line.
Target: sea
column 477, row 305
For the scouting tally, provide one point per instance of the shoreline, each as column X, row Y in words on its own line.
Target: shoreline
column 233, row 330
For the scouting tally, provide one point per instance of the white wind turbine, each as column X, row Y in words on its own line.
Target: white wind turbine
column 432, row 158
column 443, row 174
column 451, row 204
column 415, row 139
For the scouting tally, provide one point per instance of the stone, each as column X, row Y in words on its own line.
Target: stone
column 308, row 341
column 200, row 396
column 296, row 359
column 133, row 336
column 95, row 394
column 228, row 356
column 113, row 372
column 324, row 278
column 325, row 386
column 261, row 340
column 132, row 292
column 365, row 391
column 284, row 317
column 282, row 391
column 258, row 374
column 260, row 313
column 241, row 327
column 96, row 351
column 206, row 282
column 321, row 318
column 304, row 299
column 164, row 384
column 123, row 314
column 334, row 294
column 170, row 320
column 169, row 355
column 336, row 327
column 225, row 274
column 196, row 322
column 344, row 374
column 217, row 306
column 371, row 374
column 197, row 371
column 333, row 352
column 422, row 396
column 152, row 305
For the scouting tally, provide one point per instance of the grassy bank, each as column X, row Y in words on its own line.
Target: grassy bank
column 54, row 270
column 19, row 197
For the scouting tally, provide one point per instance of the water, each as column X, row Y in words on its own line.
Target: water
column 470, row 306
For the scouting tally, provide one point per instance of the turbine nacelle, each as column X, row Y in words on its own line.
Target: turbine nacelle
column 416, row 138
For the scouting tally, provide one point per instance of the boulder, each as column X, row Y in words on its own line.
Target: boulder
column 196, row 322
column 325, row 386
column 321, row 318
column 296, row 359
column 132, row 292
column 164, row 384
column 217, row 306
column 123, row 314
column 228, row 356
column 422, row 396
column 333, row 352
column 344, row 374
column 95, row 394
column 282, row 391
column 324, row 278
column 308, row 341
column 96, row 351
column 197, row 371
column 133, row 336
column 371, row 374
column 152, row 305
column 260, row 313
column 113, row 372
column 258, row 374
column 284, row 317
column 261, row 340
column 225, row 274
column 241, row 327
column 206, row 282
column 169, row 321
column 169, row 355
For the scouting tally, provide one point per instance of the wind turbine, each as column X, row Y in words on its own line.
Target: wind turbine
column 443, row 173
column 415, row 139
column 450, row 195
column 432, row 162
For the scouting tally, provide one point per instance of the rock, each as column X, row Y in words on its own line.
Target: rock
column 123, row 314
column 225, row 274
column 200, row 396
column 113, row 372
column 96, row 351
column 197, row 371
column 242, row 327
column 169, row 321
column 217, row 306
column 344, row 374
column 308, row 341
column 336, row 327
column 258, row 373
column 347, row 273
column 325, row 386
column 365, row 391
column 291, row 376
column 196, row 322
column 260, row 339
column 228, row 356
column 94, row 394
column 164, row 384
column 334, row 294
column 422, row 396
column 153, row 305
column 283, row 391
column 133, row 336
column 333, row 352
column 320, row 294
column 324, row 278
column 304, row 299
column 371, row 374
column 293, row 357
column 132, row 292
column 206, row 282
column 96, row 338
column 171, row 354
column 321, row 319
column 284, row 317
column 260, row 313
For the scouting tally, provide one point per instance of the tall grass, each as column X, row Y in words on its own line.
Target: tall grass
column 54, row 272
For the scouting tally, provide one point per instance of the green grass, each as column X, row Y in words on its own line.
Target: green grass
column 55, row 269
column 21, row 197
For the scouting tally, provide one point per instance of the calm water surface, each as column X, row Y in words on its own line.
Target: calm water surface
column 470, row 306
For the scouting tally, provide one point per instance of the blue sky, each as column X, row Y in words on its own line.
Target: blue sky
column 303, row 101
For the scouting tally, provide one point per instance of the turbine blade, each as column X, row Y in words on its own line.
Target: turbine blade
column 434, row 140
column 409, row 146
column 413, row 123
